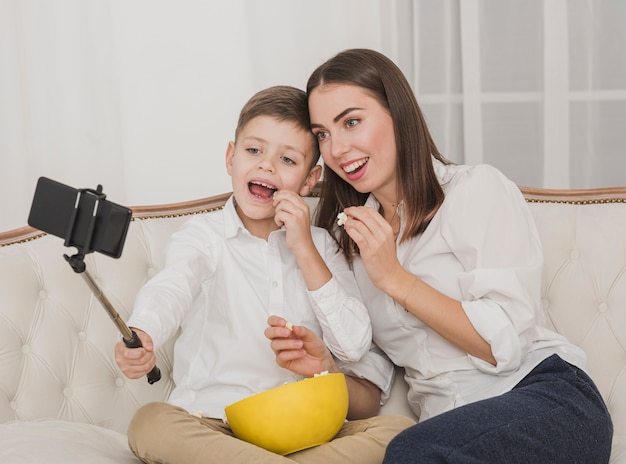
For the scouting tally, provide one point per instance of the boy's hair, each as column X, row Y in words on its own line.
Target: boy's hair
column 285, row 103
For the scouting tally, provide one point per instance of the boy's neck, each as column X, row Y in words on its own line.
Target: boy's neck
column 261, row 228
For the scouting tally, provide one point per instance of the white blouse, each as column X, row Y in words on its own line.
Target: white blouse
column 219, row 285
column 482, row 249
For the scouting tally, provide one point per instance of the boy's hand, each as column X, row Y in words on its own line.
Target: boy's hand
column 293, row 213
column 300, row 350
column 136, row 362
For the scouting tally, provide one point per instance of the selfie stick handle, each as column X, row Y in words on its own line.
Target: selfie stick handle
column 130, row 338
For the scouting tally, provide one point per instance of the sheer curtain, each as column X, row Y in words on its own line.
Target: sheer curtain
column 142, row 96
column 534, row 87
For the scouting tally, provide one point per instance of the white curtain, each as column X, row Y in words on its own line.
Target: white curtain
column 142, row 96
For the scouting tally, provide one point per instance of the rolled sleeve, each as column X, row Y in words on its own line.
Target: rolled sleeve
column 375, row 367
column 344, row 320
column 500, row 251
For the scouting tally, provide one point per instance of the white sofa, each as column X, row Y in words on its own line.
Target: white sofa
column 63, row 399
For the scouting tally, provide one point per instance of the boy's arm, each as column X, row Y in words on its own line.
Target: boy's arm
column 304, row 353
column 333, row 292
column 294, row 214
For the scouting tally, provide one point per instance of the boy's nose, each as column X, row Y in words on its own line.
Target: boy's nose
column 267, row 164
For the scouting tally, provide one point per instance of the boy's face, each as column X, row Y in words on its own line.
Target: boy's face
column 270, row 155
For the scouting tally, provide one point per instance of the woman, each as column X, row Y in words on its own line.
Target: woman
column 449, row 262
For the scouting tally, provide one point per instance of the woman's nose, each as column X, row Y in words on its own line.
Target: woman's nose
column 338, row 146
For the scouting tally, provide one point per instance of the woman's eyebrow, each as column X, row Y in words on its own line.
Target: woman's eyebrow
column 339, row 116
column 344, row 112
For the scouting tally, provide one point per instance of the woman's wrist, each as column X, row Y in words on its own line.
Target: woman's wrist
column 400, row 287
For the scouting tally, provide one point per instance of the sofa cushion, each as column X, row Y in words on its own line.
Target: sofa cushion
column 54, row 441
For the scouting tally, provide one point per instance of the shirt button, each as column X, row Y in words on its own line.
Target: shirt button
column 274, row 284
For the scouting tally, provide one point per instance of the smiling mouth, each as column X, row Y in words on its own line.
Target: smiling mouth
column 262, row 190
column 355, row 167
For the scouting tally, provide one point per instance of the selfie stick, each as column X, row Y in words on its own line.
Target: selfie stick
column 130, row 338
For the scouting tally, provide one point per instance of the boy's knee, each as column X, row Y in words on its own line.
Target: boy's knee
column 146, row 423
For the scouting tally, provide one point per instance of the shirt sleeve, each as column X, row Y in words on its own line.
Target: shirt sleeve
column 375, row 367
column 338, row 306
column 162, row 303
column 491, row 231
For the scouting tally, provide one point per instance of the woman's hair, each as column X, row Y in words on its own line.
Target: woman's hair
column 418, row 186
column 284, row 103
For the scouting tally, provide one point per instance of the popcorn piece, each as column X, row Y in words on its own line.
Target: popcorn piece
column 320, row 374
column 342, row 218
column 289, row 325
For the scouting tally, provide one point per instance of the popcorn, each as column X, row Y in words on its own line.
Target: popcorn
column 342, row 218
column 289, row 325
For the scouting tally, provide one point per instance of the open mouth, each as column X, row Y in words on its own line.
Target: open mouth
column 261, row 190
column 355, row 166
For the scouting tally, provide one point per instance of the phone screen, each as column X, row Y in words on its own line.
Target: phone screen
column 80, row 217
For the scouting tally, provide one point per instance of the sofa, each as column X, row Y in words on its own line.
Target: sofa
column 63, row 398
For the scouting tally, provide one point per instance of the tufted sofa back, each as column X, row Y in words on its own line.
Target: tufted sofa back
column 56, row 341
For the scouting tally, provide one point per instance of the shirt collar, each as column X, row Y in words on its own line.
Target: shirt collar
column 232, row 221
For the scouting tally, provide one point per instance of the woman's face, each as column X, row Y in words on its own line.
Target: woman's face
column 356, row 137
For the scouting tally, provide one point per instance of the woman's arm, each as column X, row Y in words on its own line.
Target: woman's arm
column 443, row 314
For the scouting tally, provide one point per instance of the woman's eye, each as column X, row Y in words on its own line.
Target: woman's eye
column 351, row 122
column 321, row 136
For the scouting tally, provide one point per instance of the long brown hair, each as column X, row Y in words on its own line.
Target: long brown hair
column 418, row 185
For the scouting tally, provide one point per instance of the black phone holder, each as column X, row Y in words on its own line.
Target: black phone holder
column 77, row 263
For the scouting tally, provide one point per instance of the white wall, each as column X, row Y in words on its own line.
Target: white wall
column 142, row 96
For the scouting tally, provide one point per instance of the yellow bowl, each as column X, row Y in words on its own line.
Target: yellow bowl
column 294, row 416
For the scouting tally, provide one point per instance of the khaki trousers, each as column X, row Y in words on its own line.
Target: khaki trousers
column 160, row 433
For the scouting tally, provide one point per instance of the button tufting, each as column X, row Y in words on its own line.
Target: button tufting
column 574, row 254
column 151, row 271
column 82, row 336
column 545, row 303
column 13, row 405
column 25, row 349
column 274, row 284
column 67, row 392
column 603, row 307
column 119, row 382
column 43, row 294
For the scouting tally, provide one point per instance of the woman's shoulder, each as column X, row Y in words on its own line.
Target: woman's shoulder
column 465, row 179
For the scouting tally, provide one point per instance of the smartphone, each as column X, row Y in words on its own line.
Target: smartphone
column 84, row 218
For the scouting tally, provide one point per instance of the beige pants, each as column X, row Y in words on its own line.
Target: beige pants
column 160, row 433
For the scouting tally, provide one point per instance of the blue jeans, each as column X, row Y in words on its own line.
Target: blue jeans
column 554, row 415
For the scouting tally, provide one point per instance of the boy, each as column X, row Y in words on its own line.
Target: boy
column 225, row 275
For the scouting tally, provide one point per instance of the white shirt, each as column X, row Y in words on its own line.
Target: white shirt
column 482, row 249
column 219, row 285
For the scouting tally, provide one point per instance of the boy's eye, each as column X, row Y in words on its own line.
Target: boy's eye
column 288, row 160
column 351, row 122
column 253, row 151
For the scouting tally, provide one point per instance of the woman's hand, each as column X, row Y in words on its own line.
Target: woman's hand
column 300, row 350
column 376, row 241
column 136, row 362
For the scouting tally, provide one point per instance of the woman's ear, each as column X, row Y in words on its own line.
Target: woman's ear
column 230, row 153
column 311, row 180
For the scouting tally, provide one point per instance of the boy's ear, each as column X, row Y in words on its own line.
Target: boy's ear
column 230, row 153
column 311, row 180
